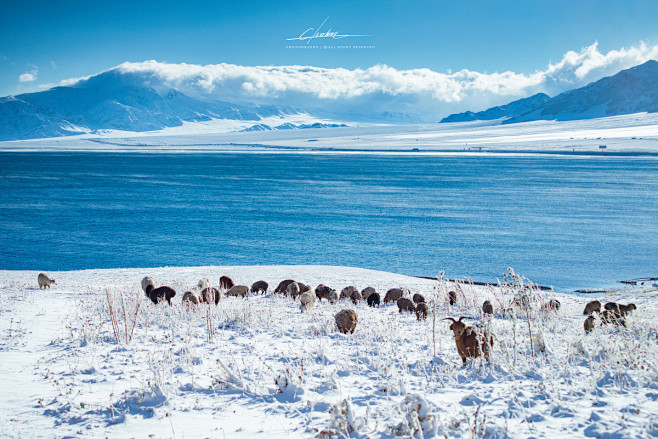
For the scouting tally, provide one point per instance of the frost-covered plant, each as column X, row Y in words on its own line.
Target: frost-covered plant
column 123, row 314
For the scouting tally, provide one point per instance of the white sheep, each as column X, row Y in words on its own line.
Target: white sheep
column 204, row 283
column 45, row 281
column 307, row 300
column 148, row 280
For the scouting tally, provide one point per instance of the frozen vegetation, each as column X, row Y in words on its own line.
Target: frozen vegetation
column 93, row 357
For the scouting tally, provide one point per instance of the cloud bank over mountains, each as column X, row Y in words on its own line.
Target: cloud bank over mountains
column 380, row 88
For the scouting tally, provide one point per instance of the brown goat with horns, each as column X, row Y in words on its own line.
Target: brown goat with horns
column 468, row 340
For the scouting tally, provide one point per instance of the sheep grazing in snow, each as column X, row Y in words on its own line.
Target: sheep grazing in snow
column 373, row 300
column 148, row 280
column 307, row 301
column 366, row 292
column 346, row 321
column 393, row 295
column 203, row 283
column 625, row 309
column 323, row 292
column 45, row 281
column 487, row 307
column 589, row 324
column 418, row 298
column 189, row 298
column 238, row 290
column 226, row 283
column 422, row 310
column 405, row 304
column 592, row 307
column 452, row 298
column 157, row 294
column 612, row 306
column 259, row 286
column 347, row 292
column 467, row 340
column 356, row 297
column 283, row 286
column 293, row 290
column 304, row 287
column 552, row 305
column 210, row 295
column 333, row 297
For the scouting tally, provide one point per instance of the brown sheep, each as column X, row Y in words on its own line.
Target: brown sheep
column 293, row 290
column 157, row 294
column 452, row 298
column 304, row 287
column 347, row 292
column 466, row 340
column 592, row 307
column 405, row 304
column 612, row 306
column 283, row 286
column 346, row 321
column 589, row 324
column 487, row 308
column 393, row 295
column 356, row 297
column 189, row 299
column 238, row 290
column 366, row 292
column 259, row 286
column 323, row 292
column 225, row 283
column 373, row 300
column 210, row 295
column 552, row 305
column 625, row 309
column 422, row 310
column 418, row 298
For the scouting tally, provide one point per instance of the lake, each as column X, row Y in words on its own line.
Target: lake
column 566, row 221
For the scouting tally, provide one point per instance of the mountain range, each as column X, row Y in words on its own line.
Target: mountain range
column 632, row 90
column 114, row 100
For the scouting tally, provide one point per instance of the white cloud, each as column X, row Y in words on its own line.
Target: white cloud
column 381, row 87
column 27, row 77
column 53, row 64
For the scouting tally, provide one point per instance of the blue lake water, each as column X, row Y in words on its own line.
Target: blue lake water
column 570, row 222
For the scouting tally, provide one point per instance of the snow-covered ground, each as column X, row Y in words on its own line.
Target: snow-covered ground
column 264, row 369
column 629, row 134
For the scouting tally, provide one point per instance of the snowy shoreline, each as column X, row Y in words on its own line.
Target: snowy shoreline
column 269, row 370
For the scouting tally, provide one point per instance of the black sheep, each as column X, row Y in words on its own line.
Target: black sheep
column 157, row 294
column 373, row 300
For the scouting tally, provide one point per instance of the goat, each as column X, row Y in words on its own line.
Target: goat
column 467, row 340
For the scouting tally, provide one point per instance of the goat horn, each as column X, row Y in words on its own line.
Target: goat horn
column 450, row 318
column 463, row 317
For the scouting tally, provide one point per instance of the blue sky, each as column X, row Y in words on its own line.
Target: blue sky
column 50, row 41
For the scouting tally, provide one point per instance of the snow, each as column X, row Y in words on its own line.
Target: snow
column 629, row 134
column 268, row 370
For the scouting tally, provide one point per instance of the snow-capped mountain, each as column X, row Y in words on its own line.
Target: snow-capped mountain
column 632, row 90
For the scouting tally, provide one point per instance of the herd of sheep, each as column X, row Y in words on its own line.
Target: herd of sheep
column 470, row 341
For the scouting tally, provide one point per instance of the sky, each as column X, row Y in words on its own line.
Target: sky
column 43, row 43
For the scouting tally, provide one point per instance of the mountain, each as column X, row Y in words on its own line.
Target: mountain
column 630, row 91
column 509, row 110
column 111, row 100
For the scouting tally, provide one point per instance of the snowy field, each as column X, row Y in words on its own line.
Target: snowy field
column 258, row 367
column 628, row 134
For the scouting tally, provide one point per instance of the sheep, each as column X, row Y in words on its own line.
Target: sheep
column 487, row 308
column 259, row 286
column 418, row 298
column 592, row 307
column 203, row 283
column 323, row 292
column 589, row 324
column 625, row 309
column 238, row 290
column 293, row 290
column 393, row 295
column 346, row 321
column 210, row 295
column 373, row 300
column 304, row 287
column 405, row 304
column 552, row 305
column 189, row 299
column 356, row 297
column 467, row 340
column 157, row 294
column 226, row 283
column 283, row 286
column 333, row 297
column 307, row 301
column 347, row 292
column 366, row 292
column 452, row 298
column 46, row 282
column 422, row 310
column 148, row 280
column 612, row 306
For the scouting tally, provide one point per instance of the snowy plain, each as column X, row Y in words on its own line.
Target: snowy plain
column 258, row 367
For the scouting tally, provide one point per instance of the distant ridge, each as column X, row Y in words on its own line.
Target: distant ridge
column 633, row 90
